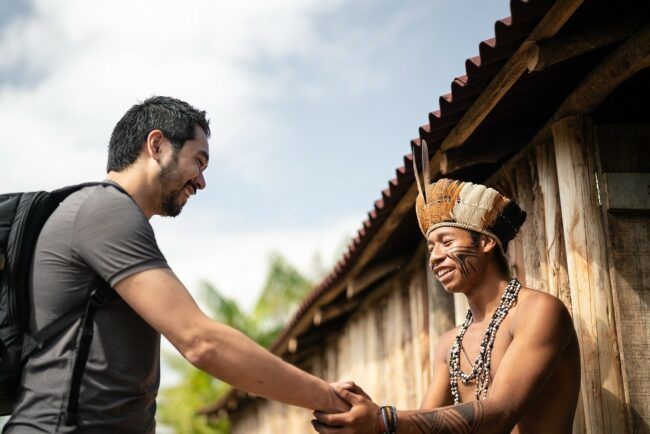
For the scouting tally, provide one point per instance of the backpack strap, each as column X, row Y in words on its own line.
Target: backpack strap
column 64, row 192
column 98, row 297
column 36, row 341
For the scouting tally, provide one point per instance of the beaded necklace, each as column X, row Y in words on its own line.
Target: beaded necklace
column 480, row 372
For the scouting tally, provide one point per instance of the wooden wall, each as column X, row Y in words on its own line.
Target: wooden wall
column 623, row 149
column 595, row 261
column 385, row 347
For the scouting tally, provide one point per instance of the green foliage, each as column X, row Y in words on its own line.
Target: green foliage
column 180, row 404
column 284, row 288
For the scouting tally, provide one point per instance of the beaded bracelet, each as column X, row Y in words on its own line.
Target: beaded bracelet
column 387, row 420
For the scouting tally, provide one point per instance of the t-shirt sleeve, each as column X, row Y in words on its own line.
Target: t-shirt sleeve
column 114, row 238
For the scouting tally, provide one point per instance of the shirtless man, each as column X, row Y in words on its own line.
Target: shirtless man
column 528, row 381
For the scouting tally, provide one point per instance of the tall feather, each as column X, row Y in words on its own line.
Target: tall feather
column 421, row 189
column 425, row 166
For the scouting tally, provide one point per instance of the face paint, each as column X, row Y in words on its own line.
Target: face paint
column 462, row 256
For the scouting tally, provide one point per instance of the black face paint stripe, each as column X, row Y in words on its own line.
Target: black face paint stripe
column 461, row 256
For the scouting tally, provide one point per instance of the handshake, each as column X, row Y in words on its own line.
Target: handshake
column 362, row 417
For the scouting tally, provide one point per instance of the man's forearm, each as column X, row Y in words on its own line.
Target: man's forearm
column 234, row 358
column 468, row 418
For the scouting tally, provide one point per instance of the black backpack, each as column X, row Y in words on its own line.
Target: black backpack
column 22, row 216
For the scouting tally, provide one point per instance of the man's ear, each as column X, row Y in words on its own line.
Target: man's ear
column 153, row 144
column 488, row 244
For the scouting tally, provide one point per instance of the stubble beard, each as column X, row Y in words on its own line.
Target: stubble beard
column 169, row 201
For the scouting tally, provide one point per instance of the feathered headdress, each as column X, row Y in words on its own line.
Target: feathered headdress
column 448, row 202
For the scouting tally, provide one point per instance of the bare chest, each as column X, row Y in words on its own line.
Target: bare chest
column 474, row 338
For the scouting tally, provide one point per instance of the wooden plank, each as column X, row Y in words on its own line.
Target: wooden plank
column 418, row 312
column 532, row 233
column 358, row 283
column 591, row 293
column 505, row 181
column 558, row 279
column 627, row 192
column 622, row 149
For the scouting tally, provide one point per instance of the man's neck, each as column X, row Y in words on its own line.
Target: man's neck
column 485, row 297
column 138, row 188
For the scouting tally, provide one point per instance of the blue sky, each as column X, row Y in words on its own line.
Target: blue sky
column 312, row 105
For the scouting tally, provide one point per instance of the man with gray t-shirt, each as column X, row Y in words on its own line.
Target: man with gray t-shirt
column 157, row 154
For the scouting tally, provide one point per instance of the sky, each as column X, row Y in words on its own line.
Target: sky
column 312, row 107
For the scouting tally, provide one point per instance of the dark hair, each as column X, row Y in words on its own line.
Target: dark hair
column 175, row 118
column 499, row 257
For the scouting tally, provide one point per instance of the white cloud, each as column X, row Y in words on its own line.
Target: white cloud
column 237, row 262
column 89, row 61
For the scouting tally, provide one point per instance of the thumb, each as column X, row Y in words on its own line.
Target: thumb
column 350, row 397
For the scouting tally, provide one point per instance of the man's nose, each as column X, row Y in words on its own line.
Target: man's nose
column 436, row 256
column 200, row 181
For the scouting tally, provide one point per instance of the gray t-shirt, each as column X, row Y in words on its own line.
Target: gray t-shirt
column 99, row 230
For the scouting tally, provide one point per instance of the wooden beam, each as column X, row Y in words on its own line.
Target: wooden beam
column 552, row 22
column 332, row 311
column 460, row 158
column 629, row 58
column 552, row 51
column 363, row 280
column 592, row 303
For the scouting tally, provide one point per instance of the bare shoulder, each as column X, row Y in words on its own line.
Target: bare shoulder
column 538, row 311
column 445, row 343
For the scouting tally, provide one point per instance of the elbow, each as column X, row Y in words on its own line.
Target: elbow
column 501, row 418
column 199, row 351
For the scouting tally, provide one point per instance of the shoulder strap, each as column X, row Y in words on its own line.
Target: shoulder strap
column 36, row 341
column 64, row 192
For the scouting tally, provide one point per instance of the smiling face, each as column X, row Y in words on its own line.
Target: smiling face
column 458, row 257
column 182, row 173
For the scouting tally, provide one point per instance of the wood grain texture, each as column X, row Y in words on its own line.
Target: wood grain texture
column 621, row 149
column 591, row 293
column 558, row 279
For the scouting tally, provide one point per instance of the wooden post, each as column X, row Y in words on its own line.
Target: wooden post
column 558, row 281
column 591, row 293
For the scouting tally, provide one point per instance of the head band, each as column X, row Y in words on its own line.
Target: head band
column 448, row 202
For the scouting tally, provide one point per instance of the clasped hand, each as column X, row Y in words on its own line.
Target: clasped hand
column 361, row 418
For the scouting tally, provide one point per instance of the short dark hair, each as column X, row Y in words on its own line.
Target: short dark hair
column 175, row 118
column 499, row 256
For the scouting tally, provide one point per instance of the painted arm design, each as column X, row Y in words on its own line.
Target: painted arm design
column 459, row 419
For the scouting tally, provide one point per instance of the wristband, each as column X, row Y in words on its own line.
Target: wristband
column 387, row 420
